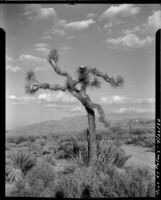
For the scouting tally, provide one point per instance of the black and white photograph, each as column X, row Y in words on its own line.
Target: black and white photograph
column 80, row 99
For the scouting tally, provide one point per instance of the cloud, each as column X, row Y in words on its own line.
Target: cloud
column 65, row 107
column 36, row 12
column 152, row 24
column 80, row 25
column 60, row 32
column 10, row 65
column 124, row 100
column 71, row 37
column 120, row 11
column 154, row 21
column 19, row 99
column 114, row 99
column 76, row 25
column 57, row 97
column 78, row 108
column 42, row 47
column 8, row 59
column 13, row 68
column 28, row 57
column 132, row 110
column 38, row 63
column 131, row 40
column 65, row 48
column 108, row 25
column 90, row 15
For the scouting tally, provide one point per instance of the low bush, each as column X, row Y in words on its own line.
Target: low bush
column 21, row 162
column 16, row 139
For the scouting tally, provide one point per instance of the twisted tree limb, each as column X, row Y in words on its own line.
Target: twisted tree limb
column 33, row 87
column 87, row 102
column 102, row 115
column 115, row 83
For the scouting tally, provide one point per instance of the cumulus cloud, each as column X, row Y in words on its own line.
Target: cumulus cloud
column 59, row 32
column 79, row 25
column 57, row 97
column 114, row 99
column 124, row 100
column 108, row 25
column 131, row 40
column 65, row 107
column 28, row 57
column 75, row 25
column 39, row 64
column 120, row 11
column 19, row 99
column 154, row 21
column 36, row 12
column 90, row 15
column 8, row 59
column 132, row 110
column 13, row 68
column 10, row 65
column 42, row 47
column 152, row 24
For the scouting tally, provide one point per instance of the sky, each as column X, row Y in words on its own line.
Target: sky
column 117, row 39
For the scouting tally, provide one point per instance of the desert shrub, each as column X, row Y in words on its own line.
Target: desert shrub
column 20, row 139
column 42, row 171
column 21, row 162
column 69, row 147
column 31, row 138
column 109, row 154
column 69, row 186
column 149, row 141
column 37, row 180
column 45, row 150
column 128, row 141
column 69, row 169
column 60, row 154
column 40, row 141
column 35, row 148
column 21, row 190
column 129, row 183
column 139, row 132
column 50, row 159
column 66, row 147
column 80, row 159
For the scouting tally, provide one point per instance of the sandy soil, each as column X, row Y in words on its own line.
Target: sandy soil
column 141, row 156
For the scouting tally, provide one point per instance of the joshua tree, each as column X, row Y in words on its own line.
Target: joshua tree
column 86, row 77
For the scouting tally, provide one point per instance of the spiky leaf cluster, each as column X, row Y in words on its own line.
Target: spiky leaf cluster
column 21, row 163
column 119, row 81
column 30, row 76
column 31, row 82
column 83, row 75
column 53, row 55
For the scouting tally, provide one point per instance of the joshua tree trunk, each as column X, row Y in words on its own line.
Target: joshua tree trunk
column 92, row 143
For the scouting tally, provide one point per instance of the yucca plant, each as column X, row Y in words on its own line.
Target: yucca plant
column 21, row 162
column 87, row 77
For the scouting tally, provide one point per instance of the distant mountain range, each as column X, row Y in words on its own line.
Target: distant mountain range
column 69, row 124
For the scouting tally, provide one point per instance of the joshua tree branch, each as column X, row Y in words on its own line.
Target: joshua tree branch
column 32, row 87
column 115, row 83
column 87, row 102
column 57, row 69
column 55, row 87
column 53, row 59
column 102, row 114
